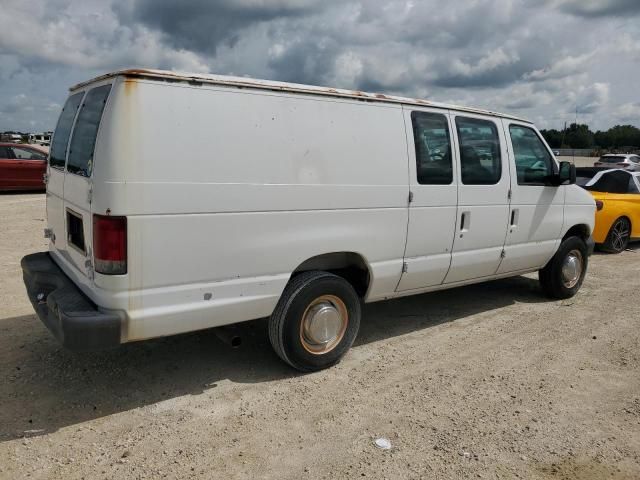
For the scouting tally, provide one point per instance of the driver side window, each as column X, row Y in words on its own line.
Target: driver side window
column 533, row 160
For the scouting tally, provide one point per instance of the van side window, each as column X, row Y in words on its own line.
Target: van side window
column 433, row 148
column 83, row 140
column 63, row 130
column 533, row 160
column 480, row 158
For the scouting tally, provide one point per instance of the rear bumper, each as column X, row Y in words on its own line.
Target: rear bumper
column 71, row 317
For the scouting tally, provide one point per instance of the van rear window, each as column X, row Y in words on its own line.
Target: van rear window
column 83, row 140
column 63, row 129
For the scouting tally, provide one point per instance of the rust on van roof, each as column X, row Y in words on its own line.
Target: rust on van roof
column 246, row 82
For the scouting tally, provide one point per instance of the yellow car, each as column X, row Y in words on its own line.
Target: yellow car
column 617, row 196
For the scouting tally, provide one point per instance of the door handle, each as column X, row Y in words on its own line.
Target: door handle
column 514, row 218
column 465, row 222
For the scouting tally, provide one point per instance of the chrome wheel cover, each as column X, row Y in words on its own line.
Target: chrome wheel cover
column 572, row 267
column 323, row 324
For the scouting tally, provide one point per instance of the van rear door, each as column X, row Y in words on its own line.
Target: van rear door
column 56, row 172
column 77, row 181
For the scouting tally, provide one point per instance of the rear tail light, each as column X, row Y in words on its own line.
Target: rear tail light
column 599, row 205
column 110, row 244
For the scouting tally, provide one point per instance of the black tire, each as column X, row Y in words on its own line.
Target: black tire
column 286, row 321
column 551, row 277
column 618, row 236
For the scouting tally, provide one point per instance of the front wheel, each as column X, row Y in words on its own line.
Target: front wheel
column 562, row 277
column 316, row 321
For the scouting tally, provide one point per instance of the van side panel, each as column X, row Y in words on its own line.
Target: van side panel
column 228, row 190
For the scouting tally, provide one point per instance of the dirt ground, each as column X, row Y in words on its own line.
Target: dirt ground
column 488, row 381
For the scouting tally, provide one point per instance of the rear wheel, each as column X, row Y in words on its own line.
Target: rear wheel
column 618, row 236
column 316, row 321
column 562, row 277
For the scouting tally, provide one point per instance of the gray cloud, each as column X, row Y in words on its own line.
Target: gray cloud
column 628, row 113
column 593, row 98
column 535, row 59
column 600, row 8
column 202, row 25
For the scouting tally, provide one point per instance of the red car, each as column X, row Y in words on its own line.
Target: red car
column 22, row 167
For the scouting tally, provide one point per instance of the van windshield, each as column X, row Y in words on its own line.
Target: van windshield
column 86, row 130
column 63, row 130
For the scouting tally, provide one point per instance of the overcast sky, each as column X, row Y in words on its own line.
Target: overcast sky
column 536, row 58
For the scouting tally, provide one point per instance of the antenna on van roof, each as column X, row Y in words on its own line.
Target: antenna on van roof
column 573, row 149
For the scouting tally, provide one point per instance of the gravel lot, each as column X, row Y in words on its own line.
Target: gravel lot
column 488, row 381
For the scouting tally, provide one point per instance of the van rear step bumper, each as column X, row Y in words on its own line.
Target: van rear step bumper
column 72, row 318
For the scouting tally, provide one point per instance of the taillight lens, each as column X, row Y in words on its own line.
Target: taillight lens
column 110, row 244
column 599, row 205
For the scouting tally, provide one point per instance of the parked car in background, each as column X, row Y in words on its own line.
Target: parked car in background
column 11, row 137
column 617, row 196
column 626, row 161
column 41, row 148
column 22, row 167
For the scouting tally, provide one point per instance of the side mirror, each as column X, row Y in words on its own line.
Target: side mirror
column 567, row 173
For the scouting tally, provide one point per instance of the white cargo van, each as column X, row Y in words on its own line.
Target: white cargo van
column 180, row 202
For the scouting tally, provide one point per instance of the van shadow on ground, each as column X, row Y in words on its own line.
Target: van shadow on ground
column 44, row 388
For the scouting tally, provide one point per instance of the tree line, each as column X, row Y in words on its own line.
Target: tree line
column 581, row 136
